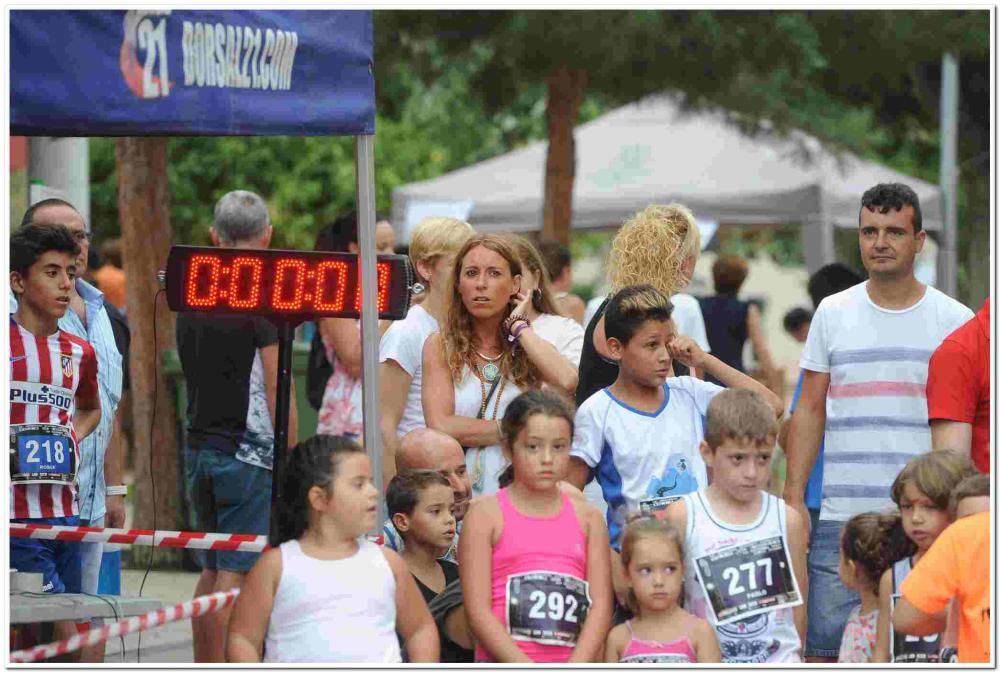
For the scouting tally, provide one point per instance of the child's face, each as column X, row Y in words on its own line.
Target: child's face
column 656, row 573
column 47, row 286
column 645, row 359
column 541, row 452
column 740, row 469
column 432, row 522
column 923, row 521
column 973, row 504
column 353, row 504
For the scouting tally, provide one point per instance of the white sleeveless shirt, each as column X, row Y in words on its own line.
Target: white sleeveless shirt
column 484, row 464
column 745, row 563
column 341, row 611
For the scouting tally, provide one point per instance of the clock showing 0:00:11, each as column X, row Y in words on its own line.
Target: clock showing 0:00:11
column 281, row 282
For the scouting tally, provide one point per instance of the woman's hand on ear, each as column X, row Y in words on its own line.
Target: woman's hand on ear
column 522, row 302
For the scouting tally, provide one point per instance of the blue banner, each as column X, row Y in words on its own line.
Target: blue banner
column 191, row 72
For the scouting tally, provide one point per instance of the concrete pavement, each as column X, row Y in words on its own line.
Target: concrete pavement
column 171, row 643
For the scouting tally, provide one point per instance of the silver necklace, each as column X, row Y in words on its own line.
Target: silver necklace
column 490, row 371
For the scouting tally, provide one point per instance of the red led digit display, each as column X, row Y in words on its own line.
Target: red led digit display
column 289, row 285
column 331, row 285
column 203, row 281
column 245, row 278
column 298, row 285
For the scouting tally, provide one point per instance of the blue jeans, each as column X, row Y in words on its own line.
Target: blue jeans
column 57, row 560
column 830, row 602
column 226, row 495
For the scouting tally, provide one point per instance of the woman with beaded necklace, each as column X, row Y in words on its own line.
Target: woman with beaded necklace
column 485, row 355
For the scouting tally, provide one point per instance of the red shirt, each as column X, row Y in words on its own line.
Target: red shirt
column 48, row 375
column 958, row 382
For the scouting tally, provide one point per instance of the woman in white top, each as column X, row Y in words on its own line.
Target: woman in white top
column 433, row 245
column 485, row 355
column 562, row 332
column 340, row 412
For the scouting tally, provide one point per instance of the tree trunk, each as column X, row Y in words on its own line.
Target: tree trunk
column 565, row 93
column 144, row 211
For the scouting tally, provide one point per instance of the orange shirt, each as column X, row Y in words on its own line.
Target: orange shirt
column 958, row 565
column 111, row 281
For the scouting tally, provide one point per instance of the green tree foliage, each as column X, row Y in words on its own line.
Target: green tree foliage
column 424, row 128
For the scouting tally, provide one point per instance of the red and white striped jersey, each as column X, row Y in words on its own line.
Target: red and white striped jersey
column 48, row 375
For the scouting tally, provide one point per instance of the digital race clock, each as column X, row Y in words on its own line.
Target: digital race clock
column 282, row 282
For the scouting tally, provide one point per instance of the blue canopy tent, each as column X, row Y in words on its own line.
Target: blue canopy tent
column 187, row 72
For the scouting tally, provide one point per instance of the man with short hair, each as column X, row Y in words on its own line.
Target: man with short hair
column 230, row 367
column 90, row 319
column 426, row 449
column 958, row 391
column 865, row 363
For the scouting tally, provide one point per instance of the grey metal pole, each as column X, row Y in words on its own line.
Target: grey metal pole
column 947, row 254
column 63, row 165
column 364, row 150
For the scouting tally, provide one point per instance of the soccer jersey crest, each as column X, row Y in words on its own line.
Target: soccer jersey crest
column 67, row 365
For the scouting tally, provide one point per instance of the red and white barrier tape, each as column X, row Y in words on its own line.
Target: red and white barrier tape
column 147, row 538
column 202, row 605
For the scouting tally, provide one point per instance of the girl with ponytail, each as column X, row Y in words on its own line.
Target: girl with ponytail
column 870, row 544
column 324, row 593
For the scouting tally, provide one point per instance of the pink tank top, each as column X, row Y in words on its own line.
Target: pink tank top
column 545, row 561
column 656, row 652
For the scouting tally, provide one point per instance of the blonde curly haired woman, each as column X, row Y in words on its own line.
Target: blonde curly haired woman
column 659, row 246
column 485, row 355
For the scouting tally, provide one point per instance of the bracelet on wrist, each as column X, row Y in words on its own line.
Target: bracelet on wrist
column 516, row 329
column 513, row 318
column 116, row 490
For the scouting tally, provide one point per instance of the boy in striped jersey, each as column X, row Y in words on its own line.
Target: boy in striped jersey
column 53, row 404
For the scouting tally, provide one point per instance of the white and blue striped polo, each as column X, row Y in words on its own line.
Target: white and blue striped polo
column 876, row 405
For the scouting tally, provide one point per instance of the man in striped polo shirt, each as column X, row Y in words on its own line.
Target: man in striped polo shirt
column 54, row 404
column 863, row 393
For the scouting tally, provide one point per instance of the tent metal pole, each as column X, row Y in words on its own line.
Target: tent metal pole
column 947, row 272
column 364, row 152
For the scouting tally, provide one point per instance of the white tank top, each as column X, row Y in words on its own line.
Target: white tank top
column 341, row 611
column 745, row 566
column 483, row 464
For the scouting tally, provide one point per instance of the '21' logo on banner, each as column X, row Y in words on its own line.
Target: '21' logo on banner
column 146, row 32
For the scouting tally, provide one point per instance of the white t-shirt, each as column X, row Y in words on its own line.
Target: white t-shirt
column 565, row 334
column 484, row 464
column 876, row 406
column 403, row 343
column 689, row 320
column 644, row 460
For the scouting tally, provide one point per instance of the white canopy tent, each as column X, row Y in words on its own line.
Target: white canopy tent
column 651, row 152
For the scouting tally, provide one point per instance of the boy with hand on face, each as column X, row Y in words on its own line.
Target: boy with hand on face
column 53, row 405
column 745, row 549
column 641, row 434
